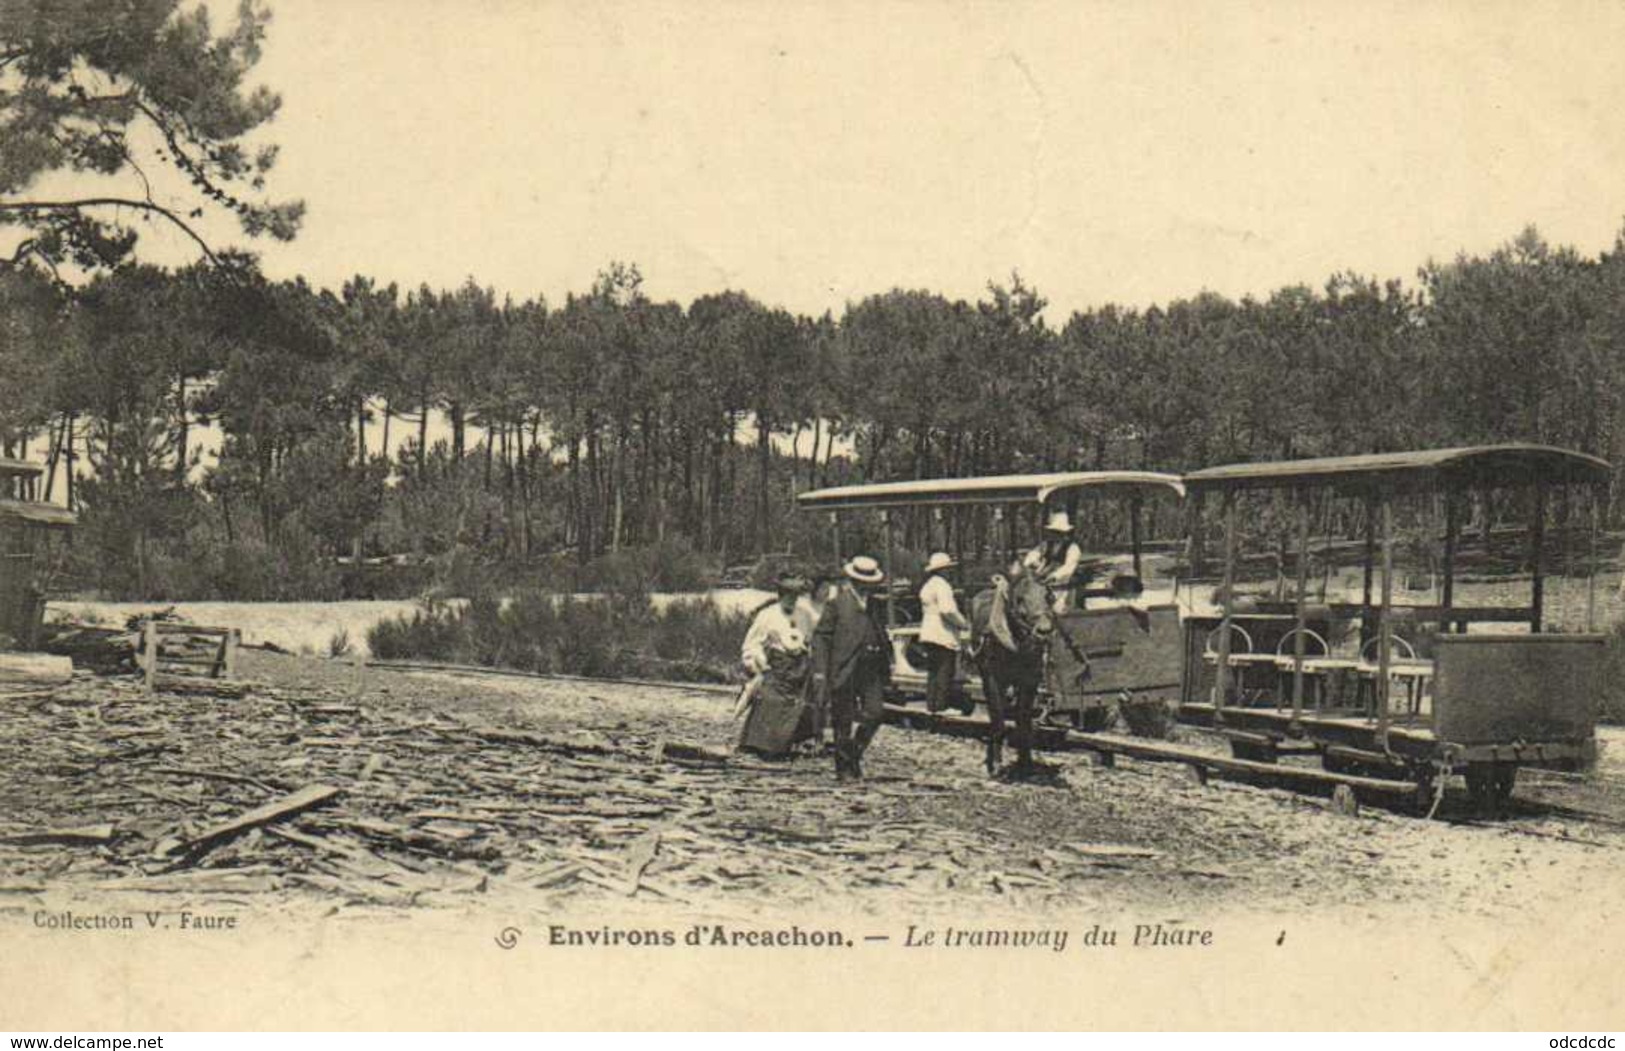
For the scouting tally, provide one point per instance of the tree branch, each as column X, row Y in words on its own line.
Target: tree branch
column 113, row 202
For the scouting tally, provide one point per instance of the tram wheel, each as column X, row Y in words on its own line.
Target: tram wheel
column 1490, row 785
column 1093, row 719
column 1254, row 751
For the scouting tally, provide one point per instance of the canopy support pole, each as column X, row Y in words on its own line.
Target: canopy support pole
column 1452, row 532
column 891, row 569
column 1537, row 546
column 1227, row 607
column 1134, row 531
column 1301, row 607
column 1385, row 628
column 835, row 535
column 1591, row 562
column 1366, row 625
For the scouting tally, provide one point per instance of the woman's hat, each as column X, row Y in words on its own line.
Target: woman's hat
column 1058, row 523
column 939, row 561
column 864, row 570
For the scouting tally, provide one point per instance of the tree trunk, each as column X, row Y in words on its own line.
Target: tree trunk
column 73, row 460
column 764, row 456
column 389, row 414
column 181, row 435
column 423, row 437
column 58, row 436
column 812, row 462
column 458, row 428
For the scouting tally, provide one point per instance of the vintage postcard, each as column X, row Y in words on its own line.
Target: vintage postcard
column 781, row 516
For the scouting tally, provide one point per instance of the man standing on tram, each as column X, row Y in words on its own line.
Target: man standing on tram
column 1057, row 560
column 941, row 628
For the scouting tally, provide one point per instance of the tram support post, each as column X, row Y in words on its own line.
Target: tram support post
column 1537, row 545
column 835, row 534
column 1452, row 531
column 1301, row 624
column 1591, row 561
column 1227, row 605
column 1134, row 531
column 1385, row 626
column 891, row 570
column 1366, row 626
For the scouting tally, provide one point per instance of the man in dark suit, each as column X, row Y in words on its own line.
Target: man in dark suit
column 852, row 664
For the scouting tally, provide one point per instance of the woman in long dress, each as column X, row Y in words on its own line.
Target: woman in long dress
column 772, row 706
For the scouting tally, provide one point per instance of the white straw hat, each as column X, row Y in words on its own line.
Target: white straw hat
column 864, row 570
column 938, row 561
column 1058, row 523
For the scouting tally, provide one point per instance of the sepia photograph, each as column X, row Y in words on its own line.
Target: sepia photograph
column 782, row 516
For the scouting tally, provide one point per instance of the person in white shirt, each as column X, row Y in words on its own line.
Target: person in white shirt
column 1057, row 560
column 773, row 627
column 941, row 625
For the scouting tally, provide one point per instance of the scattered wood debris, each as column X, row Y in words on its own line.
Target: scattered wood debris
column 401, row 793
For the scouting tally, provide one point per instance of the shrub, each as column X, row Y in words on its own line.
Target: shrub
column 433, row 632
column 613, row 637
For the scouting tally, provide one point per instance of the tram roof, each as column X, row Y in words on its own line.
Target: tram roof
column 1506, row 466
column 13, row 468
column 31, row 511
column 992, row 489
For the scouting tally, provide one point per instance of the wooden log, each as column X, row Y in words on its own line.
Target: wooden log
column 693, row 753
column 281, row 809
column 89, row 835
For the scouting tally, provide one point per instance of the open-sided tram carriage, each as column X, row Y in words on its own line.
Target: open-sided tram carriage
column 1127, row 643
column 1406, row 691
column 29, row 533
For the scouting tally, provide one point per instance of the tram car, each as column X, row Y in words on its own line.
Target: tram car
column 32, row 536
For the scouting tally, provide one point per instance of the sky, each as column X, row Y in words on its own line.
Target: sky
column 815, row 153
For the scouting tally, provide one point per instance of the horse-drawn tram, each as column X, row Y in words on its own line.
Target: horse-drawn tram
column 1405, row 691
column 1110, row 623
column 30, row 531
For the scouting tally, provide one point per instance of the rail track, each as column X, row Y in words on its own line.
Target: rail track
column 1347, row 792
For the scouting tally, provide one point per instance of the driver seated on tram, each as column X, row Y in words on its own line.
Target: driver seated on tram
column 1057, row 560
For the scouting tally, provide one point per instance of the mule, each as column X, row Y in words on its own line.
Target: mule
column 1011, row 627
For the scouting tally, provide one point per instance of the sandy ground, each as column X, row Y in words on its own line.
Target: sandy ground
column 476, row 788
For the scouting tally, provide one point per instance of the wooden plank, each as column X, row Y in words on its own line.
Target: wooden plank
column 198, row 632
column 89, row 835
column 286, row 807
column 1164, row 753
column 1056, row 738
